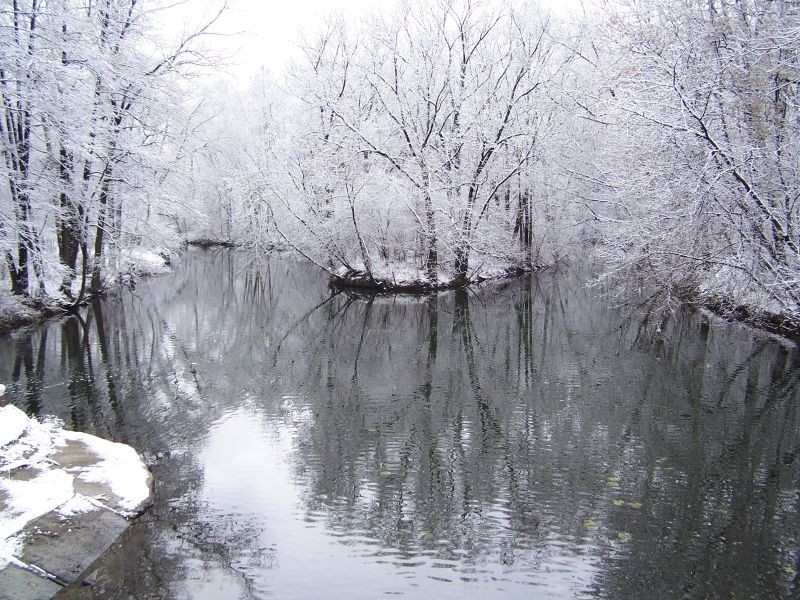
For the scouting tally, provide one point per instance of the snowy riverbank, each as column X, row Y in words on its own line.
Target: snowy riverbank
column 65, row 497
column 20, row 311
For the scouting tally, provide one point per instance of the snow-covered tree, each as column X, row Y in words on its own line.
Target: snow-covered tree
column 702, row 161
column 409, row 153
column 93, row 130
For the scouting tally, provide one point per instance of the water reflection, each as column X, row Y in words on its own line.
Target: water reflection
column 524, row 438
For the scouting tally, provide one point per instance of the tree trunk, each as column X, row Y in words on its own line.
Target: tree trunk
column 462, row 262
column 99, row 239
column 16, row 287
column 20, row 277
column 68, row 226
column 522, row 227
column 432, row 260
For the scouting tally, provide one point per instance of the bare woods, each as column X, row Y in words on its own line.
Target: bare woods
column 430, row 145
column 96, row 140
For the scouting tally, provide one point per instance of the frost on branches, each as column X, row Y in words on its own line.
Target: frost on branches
column 437, row 145
column 418, row 152
column 702, row 164
column 93, row 136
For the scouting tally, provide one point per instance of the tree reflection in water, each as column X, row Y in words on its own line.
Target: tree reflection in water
column 522, row 436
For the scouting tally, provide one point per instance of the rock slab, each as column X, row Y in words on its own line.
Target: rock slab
column 65, row 497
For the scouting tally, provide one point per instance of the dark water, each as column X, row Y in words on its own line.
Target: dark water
column 522, row 440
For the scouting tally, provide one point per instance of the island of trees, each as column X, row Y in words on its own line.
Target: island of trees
column 432, row 146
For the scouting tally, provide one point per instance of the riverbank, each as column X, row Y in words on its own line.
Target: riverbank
column 413, row 281
column 65, row 497
column 17, row 312
column 787, row 326
column 362, row 283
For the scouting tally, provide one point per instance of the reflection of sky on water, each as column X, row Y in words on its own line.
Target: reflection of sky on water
column 248, row 476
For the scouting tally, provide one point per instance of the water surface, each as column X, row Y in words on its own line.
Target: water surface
column 520, row 440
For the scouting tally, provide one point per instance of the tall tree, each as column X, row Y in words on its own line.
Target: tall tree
column 419, row 126
column 704, row 159
column 18, row 74
column 91, row 115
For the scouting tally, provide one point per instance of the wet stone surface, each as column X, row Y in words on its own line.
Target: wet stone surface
column 66, row 547
column 16, row 582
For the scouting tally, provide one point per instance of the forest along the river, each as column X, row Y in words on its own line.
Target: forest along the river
column 522, row 437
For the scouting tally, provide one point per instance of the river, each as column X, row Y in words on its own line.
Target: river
column 522, row 439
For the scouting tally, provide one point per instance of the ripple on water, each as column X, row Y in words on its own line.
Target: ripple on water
column 335, row 451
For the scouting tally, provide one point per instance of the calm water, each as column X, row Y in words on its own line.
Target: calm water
column 521, row 440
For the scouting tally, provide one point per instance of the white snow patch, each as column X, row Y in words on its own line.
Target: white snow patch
column 119, row 467
column 32, row 484
column 77, row 505
column 404, row 275
column 13, row 309
column 9, row 547
column 29, row 442
column 146, row 261
column 26, row 501
column 12, row 425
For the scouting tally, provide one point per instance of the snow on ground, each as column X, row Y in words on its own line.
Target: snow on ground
column 33, row 484
column 11, row 428
column 404, row 274
column 119, row 467
column 24, row 441
column 14, row 312
column 145, row 262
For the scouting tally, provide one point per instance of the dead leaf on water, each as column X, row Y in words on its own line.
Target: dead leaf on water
column 386, row 473
column 789, row 570
column 623, row 536
column 636, row 505
column 619, row 502
column 589, row 523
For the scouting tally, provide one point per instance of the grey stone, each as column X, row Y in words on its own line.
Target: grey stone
column 67, row 547
column 61, row 547
column 17, row 583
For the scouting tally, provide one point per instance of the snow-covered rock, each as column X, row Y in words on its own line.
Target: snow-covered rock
column 46, row 469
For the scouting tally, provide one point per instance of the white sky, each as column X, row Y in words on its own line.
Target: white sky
column 266, row 32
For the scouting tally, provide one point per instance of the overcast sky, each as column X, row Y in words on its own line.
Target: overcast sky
column 266, row 32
